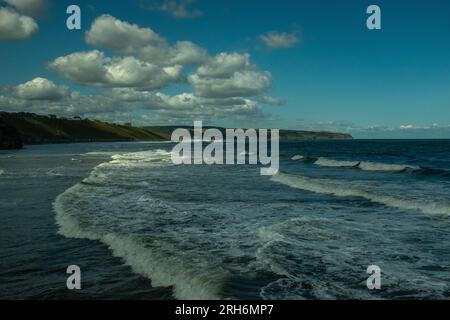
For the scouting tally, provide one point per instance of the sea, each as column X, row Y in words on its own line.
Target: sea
column 140, row 227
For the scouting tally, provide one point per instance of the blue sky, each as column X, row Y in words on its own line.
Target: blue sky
column 334, row 74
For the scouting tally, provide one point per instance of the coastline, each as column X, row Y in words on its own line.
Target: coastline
column 33, row 129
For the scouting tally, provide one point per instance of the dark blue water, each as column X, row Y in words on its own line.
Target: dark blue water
column 140, row 227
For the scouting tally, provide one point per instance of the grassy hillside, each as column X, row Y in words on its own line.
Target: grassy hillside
column 35, row 129
column 39, row 129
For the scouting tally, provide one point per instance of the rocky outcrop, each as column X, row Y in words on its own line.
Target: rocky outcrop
column 9, row 138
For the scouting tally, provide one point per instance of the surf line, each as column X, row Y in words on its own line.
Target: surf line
column 256, row 140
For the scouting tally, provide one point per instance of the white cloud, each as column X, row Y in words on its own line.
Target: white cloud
column 73, row 104
column 41, row 89
column 188, row 107
column 240, row 84
column 280, row 40
column 157, row 107
column 130, row 39
column 93, row 68
column 272, row 101
column 30, row 7
column 14, row 26
column 229, row 75
column 176, row 8
column 111, row 33
column 225, row 65
column 225, row 86
column 183, row 101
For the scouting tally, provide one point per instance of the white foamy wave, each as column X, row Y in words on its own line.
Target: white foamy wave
column 2, row 172
column 142, row 157
column 325, row 162
column 308, row 252
column 377, row 166
column 160, row 268
column 99, row 153
column 80, row 214
column 342, row 189
column 299, row 158
column 307, row 241
column 137, row 159
column 365, row 165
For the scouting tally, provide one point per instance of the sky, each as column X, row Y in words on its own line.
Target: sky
column 302, row 64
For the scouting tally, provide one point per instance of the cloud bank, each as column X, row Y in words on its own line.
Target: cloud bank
column 131, row 65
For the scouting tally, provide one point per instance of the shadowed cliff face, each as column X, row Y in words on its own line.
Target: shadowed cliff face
column 9, row 138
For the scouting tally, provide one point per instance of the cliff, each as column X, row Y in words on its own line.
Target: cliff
column 9, row 138
column 285, row 135
column 29, row 128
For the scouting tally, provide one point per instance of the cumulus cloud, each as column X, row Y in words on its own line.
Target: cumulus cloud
column 93, row 68
column 140, row 61
column 33, row 8
column 41, row 89
column 113, row 34
column 280, row 40
column 14, row 26
column 70, row 104
column 185, row 104
column 188, row 107
column 157, row 107
column 224, row 65
column 272, row 101
column 229, row 75
column 176, row 8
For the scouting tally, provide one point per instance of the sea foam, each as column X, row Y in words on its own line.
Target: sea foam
column 366, row 165
column 147, row 257
column 325, row 162
column 344, row 189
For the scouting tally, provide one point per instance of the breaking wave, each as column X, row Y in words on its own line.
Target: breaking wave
column 325, row 162
column 376, row 166
column 367, row 165
column 343, row 189
column 91, row 210
column 318, row 258
column 299, row 158
column 162, row 269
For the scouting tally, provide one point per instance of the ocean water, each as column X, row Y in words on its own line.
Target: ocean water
column 140, row 227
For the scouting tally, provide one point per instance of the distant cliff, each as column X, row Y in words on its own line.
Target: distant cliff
column 29, row 128
column 313, row 135
column 285, row 135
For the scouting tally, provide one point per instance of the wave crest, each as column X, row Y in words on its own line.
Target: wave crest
column 341, row 189
column 325, row 162
column 90, row 210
